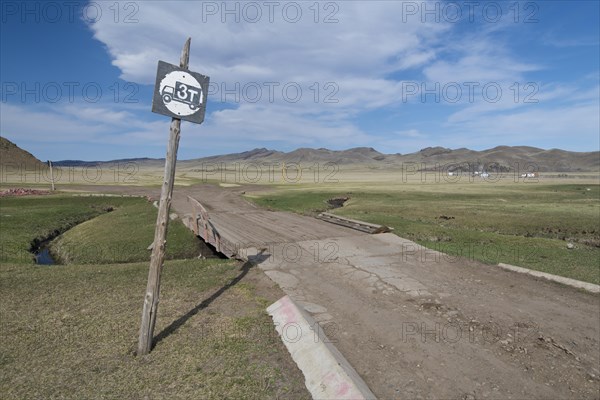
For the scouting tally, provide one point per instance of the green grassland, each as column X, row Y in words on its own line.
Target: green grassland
column 70, row 331
column 94, row 229
column 24, row 220
column 528, row 225
column 122, row 235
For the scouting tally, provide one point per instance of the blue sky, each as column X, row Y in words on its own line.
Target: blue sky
column 77, row 77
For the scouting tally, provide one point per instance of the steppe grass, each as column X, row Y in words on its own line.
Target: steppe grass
column 121, row 236
column 24, row 220
column 70, row 331
column 524, row 225
column 92, row 230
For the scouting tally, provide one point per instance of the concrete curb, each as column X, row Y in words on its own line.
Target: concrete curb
column 327, row 374
column 590, row 287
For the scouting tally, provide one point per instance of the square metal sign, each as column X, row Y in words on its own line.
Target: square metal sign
column 180, row 93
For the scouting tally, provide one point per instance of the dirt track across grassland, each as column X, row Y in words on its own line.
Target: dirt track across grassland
column 416, row 323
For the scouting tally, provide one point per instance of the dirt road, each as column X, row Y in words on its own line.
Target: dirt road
column 415, row 323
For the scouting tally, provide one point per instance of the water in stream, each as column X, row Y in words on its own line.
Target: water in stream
column 43, row 256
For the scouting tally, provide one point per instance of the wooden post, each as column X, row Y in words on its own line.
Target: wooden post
column 51, row 174
column 158, row 251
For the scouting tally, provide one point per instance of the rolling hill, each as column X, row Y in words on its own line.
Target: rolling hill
column 501, row 158
column 12, row 156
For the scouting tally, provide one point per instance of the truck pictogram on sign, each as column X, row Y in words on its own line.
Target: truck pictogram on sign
column 183, row 93
column 180, row 93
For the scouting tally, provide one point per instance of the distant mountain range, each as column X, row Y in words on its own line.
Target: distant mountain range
column 501, row 158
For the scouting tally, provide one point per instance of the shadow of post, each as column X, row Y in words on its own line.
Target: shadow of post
column 179, row 322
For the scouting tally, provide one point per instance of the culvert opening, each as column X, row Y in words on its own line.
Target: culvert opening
column 207, row 250
column 337, row 202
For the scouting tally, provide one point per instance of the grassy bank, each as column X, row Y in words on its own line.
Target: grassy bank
column 524, row 225
column 93, row 229
column 122, row 235
column 24, row 220
column 70, row 331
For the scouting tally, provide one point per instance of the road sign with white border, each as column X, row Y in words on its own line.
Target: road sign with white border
column 180, row 93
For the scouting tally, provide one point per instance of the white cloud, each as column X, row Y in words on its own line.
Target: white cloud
column 268, row 124
column 67, row 124
column 341, row 67
column 359, row 65
column 367, row 43
column 480, row 57
column 572, row 127
column 250, row 125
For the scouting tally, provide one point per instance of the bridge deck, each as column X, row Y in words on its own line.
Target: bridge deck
column 233, row 224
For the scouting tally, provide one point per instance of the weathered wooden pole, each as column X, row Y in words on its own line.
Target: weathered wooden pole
column 51, row 174
column 158, row 251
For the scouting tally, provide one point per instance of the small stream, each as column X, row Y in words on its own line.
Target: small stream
column 43, row 256
column 41, row 251
column 40, row 248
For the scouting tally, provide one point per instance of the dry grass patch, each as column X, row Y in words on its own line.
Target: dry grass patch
column 70, row 332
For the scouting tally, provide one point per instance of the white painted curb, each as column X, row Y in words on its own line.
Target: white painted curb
column 327, row 374
column 590, row 287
